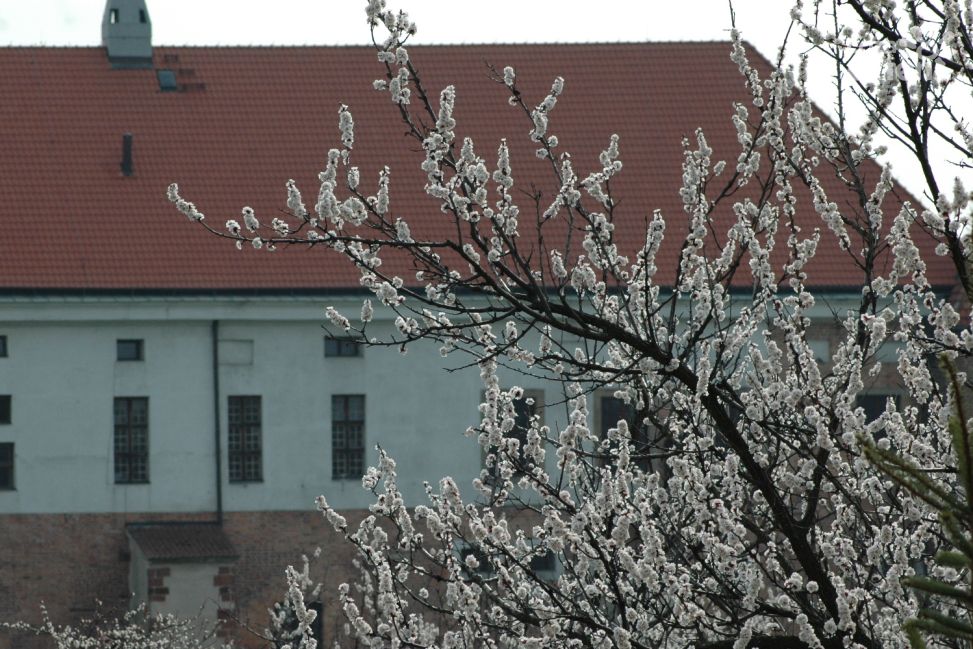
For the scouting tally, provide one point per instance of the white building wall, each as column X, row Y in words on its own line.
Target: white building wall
column 63, row 374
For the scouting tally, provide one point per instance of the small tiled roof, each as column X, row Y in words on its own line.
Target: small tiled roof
column 250, row 118
column 182, row 542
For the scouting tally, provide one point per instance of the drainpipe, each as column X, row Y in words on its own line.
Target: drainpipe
column 215, row 335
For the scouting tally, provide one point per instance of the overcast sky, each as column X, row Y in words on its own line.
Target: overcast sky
column 330, row 22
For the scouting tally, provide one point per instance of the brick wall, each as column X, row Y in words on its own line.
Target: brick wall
column 70, row 561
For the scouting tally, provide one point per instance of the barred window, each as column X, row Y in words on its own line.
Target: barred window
column 337, row 347
column 6, row 465
column 347, row 436
column 130, row 350
column 131, row 440
column 245, row 439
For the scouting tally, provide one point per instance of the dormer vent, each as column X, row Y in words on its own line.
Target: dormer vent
column 126, row 33
column 128, row 166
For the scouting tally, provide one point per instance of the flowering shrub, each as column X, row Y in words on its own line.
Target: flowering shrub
column 734, row 507
column 134, row 630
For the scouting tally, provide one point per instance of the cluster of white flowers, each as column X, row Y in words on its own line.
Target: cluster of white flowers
column 183, row 205
column 291, row 619
column 541, row 114
column 135, row 629
column 346, row 124
column 725, row 501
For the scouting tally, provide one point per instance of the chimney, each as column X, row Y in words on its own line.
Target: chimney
column 128, row 168
column 126, row 33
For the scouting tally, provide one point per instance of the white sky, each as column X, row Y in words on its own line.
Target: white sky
column 341, row 22
column 330, row 22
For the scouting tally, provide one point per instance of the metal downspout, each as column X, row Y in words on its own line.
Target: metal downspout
column 215, row 334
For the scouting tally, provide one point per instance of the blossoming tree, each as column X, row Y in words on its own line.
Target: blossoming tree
column 731, row 504
column 136, row 629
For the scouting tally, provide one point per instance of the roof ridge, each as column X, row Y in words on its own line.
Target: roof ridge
column 288, row 46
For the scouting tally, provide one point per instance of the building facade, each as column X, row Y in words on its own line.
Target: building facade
column 169, row 406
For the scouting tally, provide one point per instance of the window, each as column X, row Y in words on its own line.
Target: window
column 3, row 346
column 475, row 562
column 6, row 465
column 245, row 439
column 167, row 80
column 130, row 350
column 874, row 404
column 347, row 436
column 821, row 350
column 609, row 411
column 113, row 16
column 131, row 440
column 143, row 17
column 341, row 347
column 5, row 407
column 525, row 408
column 544, row 566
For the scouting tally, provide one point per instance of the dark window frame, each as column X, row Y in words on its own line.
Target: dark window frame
column 3, row 346
column 485, row 570
column 6, row 409
column 7, row 467
column 342, row 347
column 131, row 440
column 129, row 349
column 545, row 566
column 347, row 436
column 245, row 438
column 874, row 402
column 642, row 434
column 167, row 80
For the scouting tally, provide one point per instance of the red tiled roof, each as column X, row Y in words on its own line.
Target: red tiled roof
column 182, row 542
column 254, row 117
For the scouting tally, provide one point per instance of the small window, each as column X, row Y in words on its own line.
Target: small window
column 113, row 16
column 341, row 347
column 245, row 439
column 475, row 562
column 5, row 408
column 821, row 350
column 131, row 440
column 167, row 80
column 130, row 350
column 3, row 346
column 610, row 410
column 874, row 404
column 347, row 436
column 143, row 17
column 544, row 566
column 6, row 465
